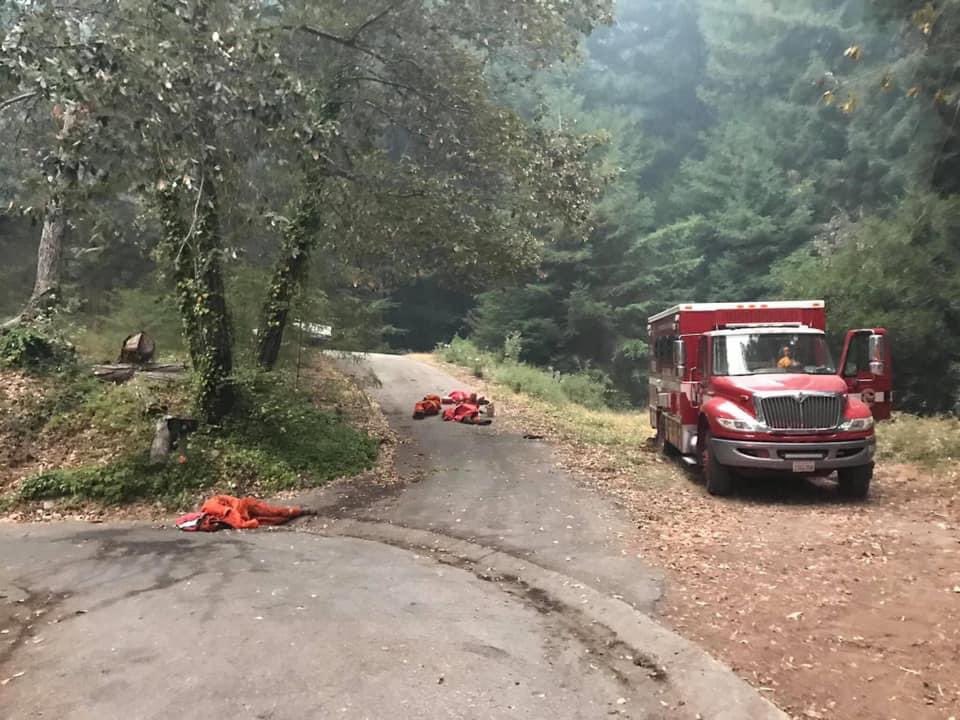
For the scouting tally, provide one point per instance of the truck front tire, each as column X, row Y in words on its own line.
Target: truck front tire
column 855, row 481
column 719, row 478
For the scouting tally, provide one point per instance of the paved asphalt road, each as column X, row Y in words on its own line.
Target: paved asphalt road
column 130, row 621
column 133, row 622
column 499, row 490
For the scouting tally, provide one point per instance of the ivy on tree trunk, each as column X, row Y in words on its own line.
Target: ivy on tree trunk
column 299, row 239
column 196, row 255
column 178, row 252
column 215, row 368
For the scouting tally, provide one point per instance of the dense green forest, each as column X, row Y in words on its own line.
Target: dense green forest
column 541, row 178
column 759, row 149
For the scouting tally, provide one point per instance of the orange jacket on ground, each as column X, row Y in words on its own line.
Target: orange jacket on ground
column 429, row 406
column 245, row 513
column 462, row 396
column 464, row 412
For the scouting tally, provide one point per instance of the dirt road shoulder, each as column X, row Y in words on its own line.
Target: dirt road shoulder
column 832, row 609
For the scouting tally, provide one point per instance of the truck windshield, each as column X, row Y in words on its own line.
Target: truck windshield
column 762, row 353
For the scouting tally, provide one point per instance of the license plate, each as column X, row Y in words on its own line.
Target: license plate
column 804, row 466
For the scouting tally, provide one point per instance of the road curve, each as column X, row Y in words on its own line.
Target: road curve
column 499, row 505
column 499, row 490
column 490, row 585
column 133, row 622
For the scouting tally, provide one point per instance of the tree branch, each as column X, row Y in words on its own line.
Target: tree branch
column 389, row 83
column 355, row 35
column 349, row 42
column 18, row 99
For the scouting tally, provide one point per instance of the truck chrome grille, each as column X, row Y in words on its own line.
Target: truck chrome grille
column 800, row 411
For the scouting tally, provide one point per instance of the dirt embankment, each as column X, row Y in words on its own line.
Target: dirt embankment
column 45, row 425
column 834, row 609
column 29, row 444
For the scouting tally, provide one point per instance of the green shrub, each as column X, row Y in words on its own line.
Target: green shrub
column 529, row 380
column 128, row 480
column 286, row 425
column 513, row 346
column 27, row 347
column 463, row 352
column 278, row 440
column 592, row 390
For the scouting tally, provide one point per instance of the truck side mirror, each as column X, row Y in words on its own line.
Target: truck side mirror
column 680, row 355
column 878, row 354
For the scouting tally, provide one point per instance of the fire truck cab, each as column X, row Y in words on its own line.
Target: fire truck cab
column 752, row 388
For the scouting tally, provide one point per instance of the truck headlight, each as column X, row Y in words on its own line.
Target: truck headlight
column 741, row 425
column 858, row 425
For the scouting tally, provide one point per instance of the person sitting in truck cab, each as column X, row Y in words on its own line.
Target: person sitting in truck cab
column 787, row 360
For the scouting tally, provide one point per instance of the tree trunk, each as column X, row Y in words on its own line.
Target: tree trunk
column 178, row 253
column 194, row 252
column 288, row 276
column 299, row 239
column 46, row 288
column 215, row 367
column 207, row 316
column 50, row 254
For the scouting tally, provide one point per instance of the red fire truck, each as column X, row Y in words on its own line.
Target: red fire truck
column 751, row 388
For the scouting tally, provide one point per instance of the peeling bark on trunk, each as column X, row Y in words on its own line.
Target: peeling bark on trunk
column 50, row 253
column 46, row 288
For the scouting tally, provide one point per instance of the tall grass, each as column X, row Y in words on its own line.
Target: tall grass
column 928, row 441
column 98, row 335
column 553, row 387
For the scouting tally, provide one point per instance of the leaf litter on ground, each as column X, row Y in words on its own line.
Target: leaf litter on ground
column 860, row 583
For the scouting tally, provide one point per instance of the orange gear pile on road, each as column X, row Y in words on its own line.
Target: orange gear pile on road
column 466, row 408
column 428, row 407
column 247, row 513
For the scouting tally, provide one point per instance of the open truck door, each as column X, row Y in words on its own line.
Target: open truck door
column 866, row 366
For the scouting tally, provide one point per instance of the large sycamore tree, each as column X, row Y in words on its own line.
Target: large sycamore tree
column 372, row 121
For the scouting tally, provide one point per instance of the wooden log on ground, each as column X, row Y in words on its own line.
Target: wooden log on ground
column 122, row 372
column 113, row 373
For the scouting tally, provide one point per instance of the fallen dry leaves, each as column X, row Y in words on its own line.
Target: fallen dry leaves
column 833, row 609
column 25, row 454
